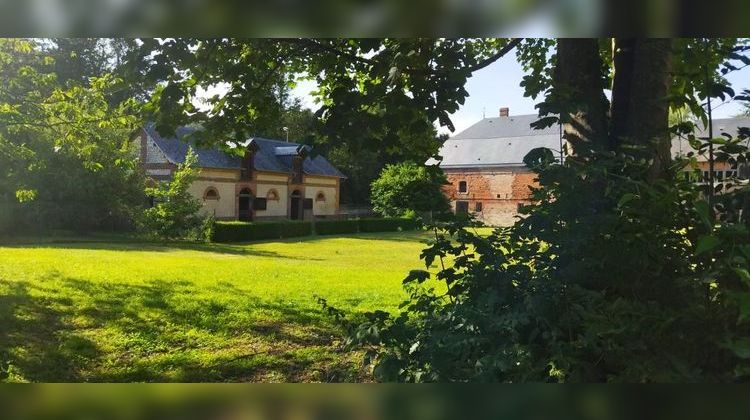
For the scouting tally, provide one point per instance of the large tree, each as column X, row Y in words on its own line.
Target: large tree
column 63, row 145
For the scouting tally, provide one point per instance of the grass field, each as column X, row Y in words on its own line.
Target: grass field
column 125, row 311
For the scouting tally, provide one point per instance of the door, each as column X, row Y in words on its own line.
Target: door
column 295, row 212
column 246, row 201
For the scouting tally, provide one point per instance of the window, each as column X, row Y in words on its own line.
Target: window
column 478, row 207
column 211, row 194
column 259, row 203
column 272, row 195
column 462, row 187
column 320, row 196
column 462, row 207
column 519, row 207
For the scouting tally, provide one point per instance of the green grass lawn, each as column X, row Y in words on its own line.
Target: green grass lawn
column 129, row 311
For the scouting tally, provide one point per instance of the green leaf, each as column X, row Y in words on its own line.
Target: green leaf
column 701, row 207
column 743, row 274
column 626, row 198
column 741, row 348
column 706, row 243
column 418, row 275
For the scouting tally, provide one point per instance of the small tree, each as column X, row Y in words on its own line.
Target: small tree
column 175, row 210
column 409, row 187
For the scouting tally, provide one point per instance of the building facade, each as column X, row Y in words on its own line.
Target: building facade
column 485, row 169
column 487, row 176
column 268, row 179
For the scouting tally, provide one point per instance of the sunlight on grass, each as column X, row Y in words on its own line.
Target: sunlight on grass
column 117, row 311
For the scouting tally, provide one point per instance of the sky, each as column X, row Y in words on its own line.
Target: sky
column 497, row 85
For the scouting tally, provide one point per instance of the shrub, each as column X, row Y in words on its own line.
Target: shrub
column 175, row 214
column 244, row 231
column 294, row 229
column 409, row 186
column 639, row 285
column 334, row 227
column 387, row 224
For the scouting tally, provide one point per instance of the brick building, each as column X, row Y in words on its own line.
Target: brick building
column 487, row 176
column 485, row 169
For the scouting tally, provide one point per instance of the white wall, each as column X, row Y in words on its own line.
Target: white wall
column 273, row 207
column 224, row 207
column 322, row 208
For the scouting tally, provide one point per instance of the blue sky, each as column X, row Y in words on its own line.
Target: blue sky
column 497, row 85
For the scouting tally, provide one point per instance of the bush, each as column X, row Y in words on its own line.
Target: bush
column 244, row 231
column 409, row 187
column 294, row 229
column 387, row 224
column 335, row 227
column 175, row 214
column 639, row 285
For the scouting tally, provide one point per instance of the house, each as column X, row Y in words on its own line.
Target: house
column 485, row 169
column 487, row 176
column 681, row 147
column 269, row 179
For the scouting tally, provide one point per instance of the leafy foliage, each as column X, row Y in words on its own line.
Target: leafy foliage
column 636, row 285
column 63, row 145
column 175, row 211
column 409, row 186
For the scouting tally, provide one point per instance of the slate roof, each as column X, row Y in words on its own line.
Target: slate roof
column 266, row 158
column 504, row 141
column 498, row 141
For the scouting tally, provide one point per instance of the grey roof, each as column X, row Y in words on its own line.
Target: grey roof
column 175, row 149
column 504, row 141
column 498, row 141
column 266, row 158
column 681, row 146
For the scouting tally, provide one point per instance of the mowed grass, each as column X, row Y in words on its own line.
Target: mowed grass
column 123, row 311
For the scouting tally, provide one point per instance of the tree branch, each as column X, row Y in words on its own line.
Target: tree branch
column 489, row 60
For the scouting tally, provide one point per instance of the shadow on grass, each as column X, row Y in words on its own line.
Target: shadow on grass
column 231, row 249
column 35, row 343
column 68, row 329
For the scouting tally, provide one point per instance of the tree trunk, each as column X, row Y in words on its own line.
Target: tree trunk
column 640, row 111
column 580, row 90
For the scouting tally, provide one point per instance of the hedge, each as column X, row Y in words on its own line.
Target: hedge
column 334, row 227
column 244, row 231
column 387, row 224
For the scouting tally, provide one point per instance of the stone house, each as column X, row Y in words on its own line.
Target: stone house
column 270, row 179
column 485, row 169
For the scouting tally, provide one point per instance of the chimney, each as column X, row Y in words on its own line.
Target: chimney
column 504, row 111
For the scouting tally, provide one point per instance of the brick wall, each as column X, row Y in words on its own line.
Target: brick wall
column 499, row 191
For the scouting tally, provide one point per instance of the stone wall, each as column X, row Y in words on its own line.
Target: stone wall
column 498, row 191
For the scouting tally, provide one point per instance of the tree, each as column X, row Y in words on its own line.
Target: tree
column 63, row 145
column 620, row 272
column 175, row 211
column 409, row 187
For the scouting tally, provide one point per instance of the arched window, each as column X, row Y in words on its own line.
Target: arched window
column 320, row 196
column 462, row 188
column 272, row 195
column 211, row 194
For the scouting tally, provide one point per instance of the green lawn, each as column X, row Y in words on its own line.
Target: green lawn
column 124, row 311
